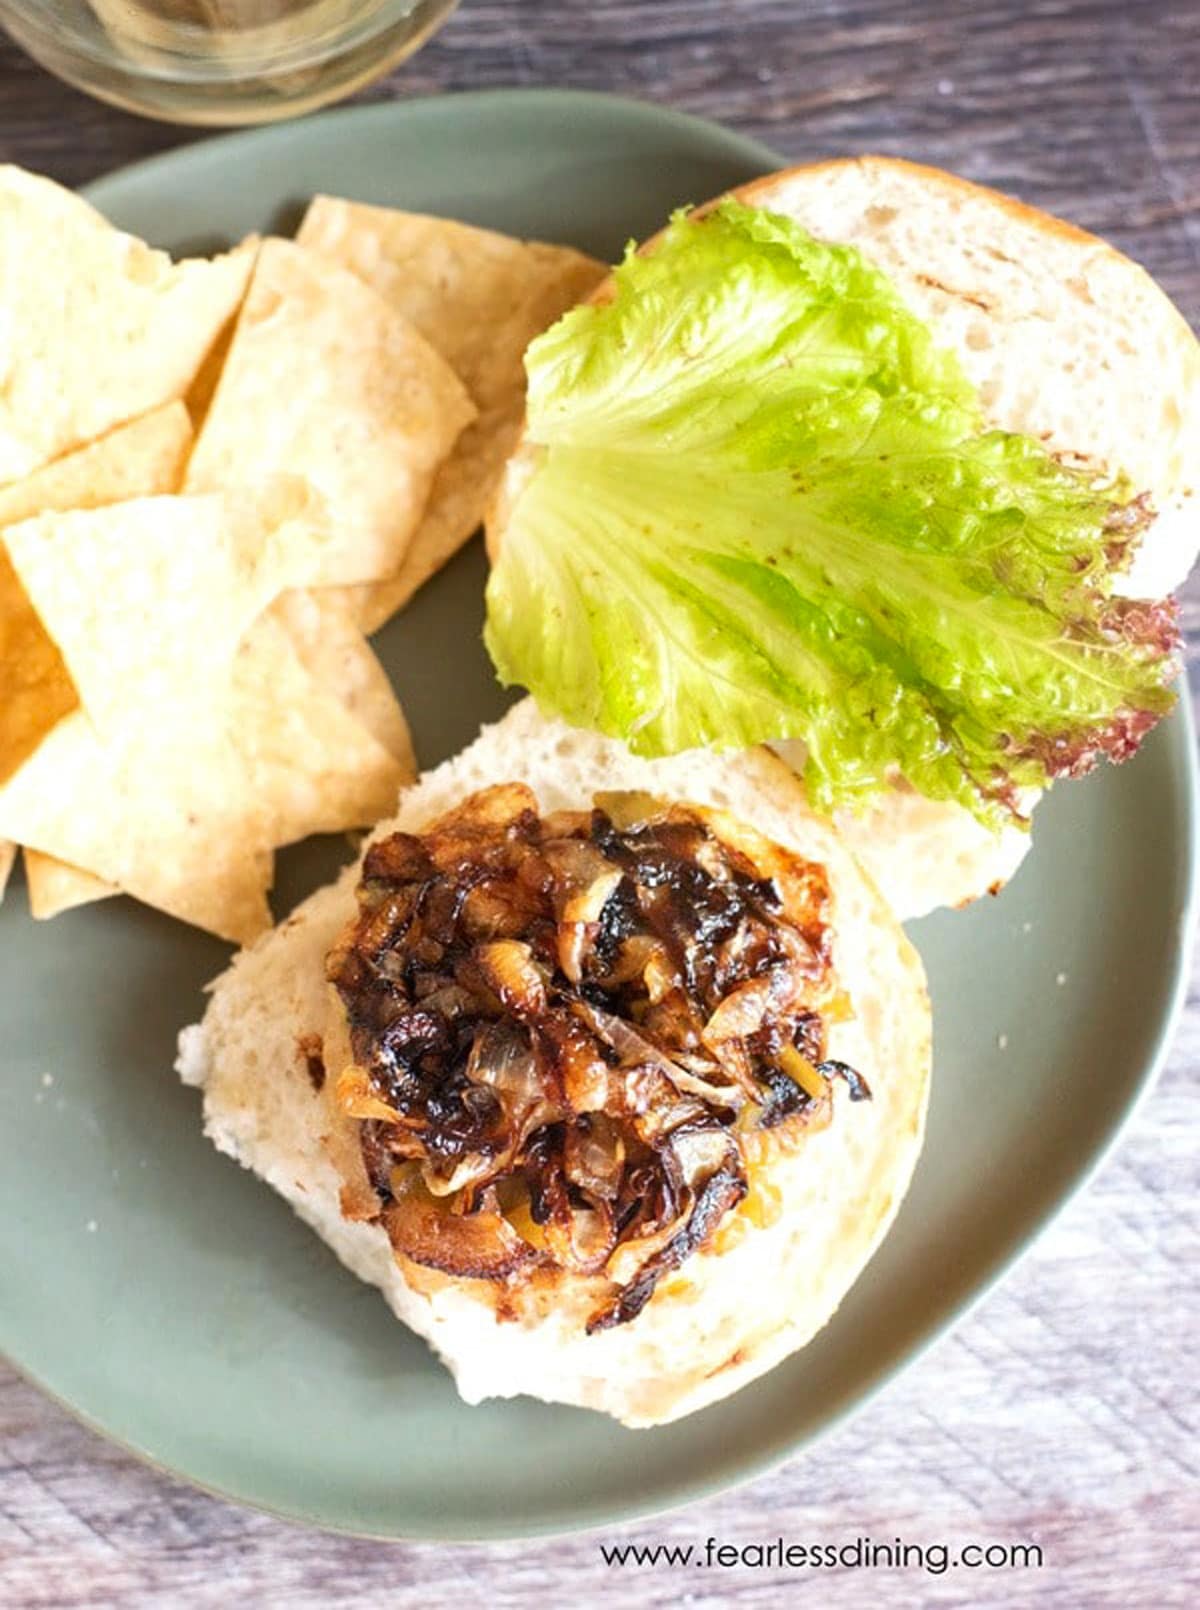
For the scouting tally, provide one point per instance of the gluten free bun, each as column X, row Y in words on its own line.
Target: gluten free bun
column 726, row 1315
column 1066, row 340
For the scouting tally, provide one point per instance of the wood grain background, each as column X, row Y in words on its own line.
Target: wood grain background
column 1064, row 1411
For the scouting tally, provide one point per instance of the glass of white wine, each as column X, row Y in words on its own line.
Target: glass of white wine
column 221, row 61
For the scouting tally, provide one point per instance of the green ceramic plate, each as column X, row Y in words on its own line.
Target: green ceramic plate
column 176, row 1305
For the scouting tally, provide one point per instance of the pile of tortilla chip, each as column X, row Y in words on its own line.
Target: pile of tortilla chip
column 215, row 477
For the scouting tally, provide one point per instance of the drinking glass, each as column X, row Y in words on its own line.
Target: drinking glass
column 221, row 61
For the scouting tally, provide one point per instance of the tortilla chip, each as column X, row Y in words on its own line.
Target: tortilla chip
column 36, row 690
column 99, row 328
column 198, row 751
column 479, row 298
column 325, row 383
column 161, row 818
column 204, row 387
column 338, row 657
column 8, row 854
column 147, row 455
column 307, row 763
column 147, row 600
column 56, row 886
column 184, row 815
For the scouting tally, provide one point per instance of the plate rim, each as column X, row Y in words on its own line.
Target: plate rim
column 419, row 106
column 775, row 1450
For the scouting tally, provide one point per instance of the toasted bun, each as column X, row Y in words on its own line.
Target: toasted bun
column 726, row 1316
column 1066, row 340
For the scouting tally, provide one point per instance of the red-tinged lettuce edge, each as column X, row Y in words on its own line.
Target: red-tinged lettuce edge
column 752, row 403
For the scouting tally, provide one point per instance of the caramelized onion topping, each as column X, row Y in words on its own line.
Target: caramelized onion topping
column 571, row 1032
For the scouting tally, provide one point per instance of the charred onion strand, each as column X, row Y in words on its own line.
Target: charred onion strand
column 571, row 1032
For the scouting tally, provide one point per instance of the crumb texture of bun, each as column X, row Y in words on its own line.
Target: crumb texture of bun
column 725, row 1316
column 924, row 853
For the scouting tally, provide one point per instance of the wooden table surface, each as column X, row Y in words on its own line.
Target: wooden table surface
column 1064, row 1411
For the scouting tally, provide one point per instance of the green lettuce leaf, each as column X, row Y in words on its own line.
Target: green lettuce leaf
column 764, row 505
